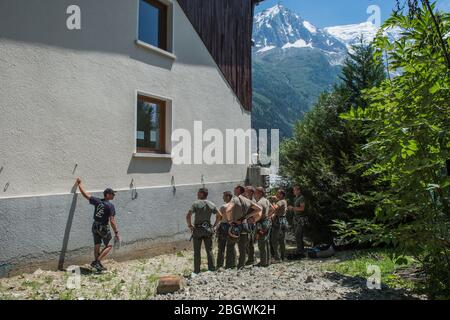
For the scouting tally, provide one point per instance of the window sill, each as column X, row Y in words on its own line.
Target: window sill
column 156, row 49
column 152, row 155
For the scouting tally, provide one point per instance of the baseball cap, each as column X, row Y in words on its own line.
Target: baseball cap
column 109, row 191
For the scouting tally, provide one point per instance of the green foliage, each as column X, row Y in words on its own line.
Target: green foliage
column 406, row 120
column 324, row 146
column 389, row 262
column 361, row 71
column 67, row 295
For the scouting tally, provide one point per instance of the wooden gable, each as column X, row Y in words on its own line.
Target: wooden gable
column 225, row 27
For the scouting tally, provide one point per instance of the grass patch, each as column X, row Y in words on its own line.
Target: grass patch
column 186, row 272
column 386, row 259
column 107, row 277
column 117, row 288
column 34, row 285
column 67, row 295
column 48, row 280
column 153, row 278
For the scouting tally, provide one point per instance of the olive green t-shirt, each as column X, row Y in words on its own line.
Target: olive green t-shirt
column 299, row 200
column 236, row 213
column 246, row 205
column 282, row 208
column 297, row 203
column 241, row 207
column 265, row 204
column 203, row 210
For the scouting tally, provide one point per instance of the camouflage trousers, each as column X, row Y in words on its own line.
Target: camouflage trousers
column 299, row 232
column 278, row 243
column 264, row 250
column 242, row 243
column 208, row 242
column 221, row 247
column 251, row 248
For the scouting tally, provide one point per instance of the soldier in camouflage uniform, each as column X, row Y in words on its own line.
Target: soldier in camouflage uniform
column 222, row 230
column 249, row 194
column 202, row 231
column 279, row 226
column 238, row 211
column 300, row 220
column 263, row 227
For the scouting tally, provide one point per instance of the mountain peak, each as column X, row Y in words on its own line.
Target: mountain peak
column 279, row 27
column 276, row 9
column 272, row 13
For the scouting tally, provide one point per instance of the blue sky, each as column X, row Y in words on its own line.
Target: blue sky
column 325, row 13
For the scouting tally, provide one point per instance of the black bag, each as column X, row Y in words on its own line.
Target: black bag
column 322, row 251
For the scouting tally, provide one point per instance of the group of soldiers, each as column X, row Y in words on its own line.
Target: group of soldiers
column 247, row 217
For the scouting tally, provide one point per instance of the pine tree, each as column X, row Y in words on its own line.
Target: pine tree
column 324, row 147
column 361, row 71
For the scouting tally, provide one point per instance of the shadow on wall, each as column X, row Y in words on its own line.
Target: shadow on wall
column 65, row 243
column 144, row 166
column 106, row 26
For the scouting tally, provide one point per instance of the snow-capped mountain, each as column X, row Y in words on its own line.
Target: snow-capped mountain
column 350, row 34
column 294, row 62
column 279, row 27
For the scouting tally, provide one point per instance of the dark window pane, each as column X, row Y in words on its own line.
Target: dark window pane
column 149, row 23
column 149, row 122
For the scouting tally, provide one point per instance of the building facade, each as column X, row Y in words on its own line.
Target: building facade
column 96, row 89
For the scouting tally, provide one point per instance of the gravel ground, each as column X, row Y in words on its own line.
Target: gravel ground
column 299, row 280
column 137, row 279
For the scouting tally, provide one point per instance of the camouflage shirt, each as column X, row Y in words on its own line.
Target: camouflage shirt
column 241, row 207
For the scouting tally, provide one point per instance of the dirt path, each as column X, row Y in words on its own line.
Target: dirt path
column 137, row 279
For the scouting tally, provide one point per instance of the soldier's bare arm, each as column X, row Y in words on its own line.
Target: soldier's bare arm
column 218, row 218
column 189, row 220
column 228, row 211
column 83, row 192
column 113, row 222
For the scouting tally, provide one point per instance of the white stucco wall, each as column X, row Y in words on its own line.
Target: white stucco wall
column 68, row 97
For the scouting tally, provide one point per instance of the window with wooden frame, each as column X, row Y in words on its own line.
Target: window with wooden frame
column 153, row 18
column 150, row 125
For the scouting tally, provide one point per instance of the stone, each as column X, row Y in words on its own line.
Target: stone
column 170, row 284
column 38, row 272
column 309, row 279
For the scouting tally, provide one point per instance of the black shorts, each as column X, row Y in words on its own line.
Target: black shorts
column 101, row 234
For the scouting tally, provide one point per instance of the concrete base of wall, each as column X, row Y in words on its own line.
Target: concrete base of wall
column 85, row 256
column 53, row 232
